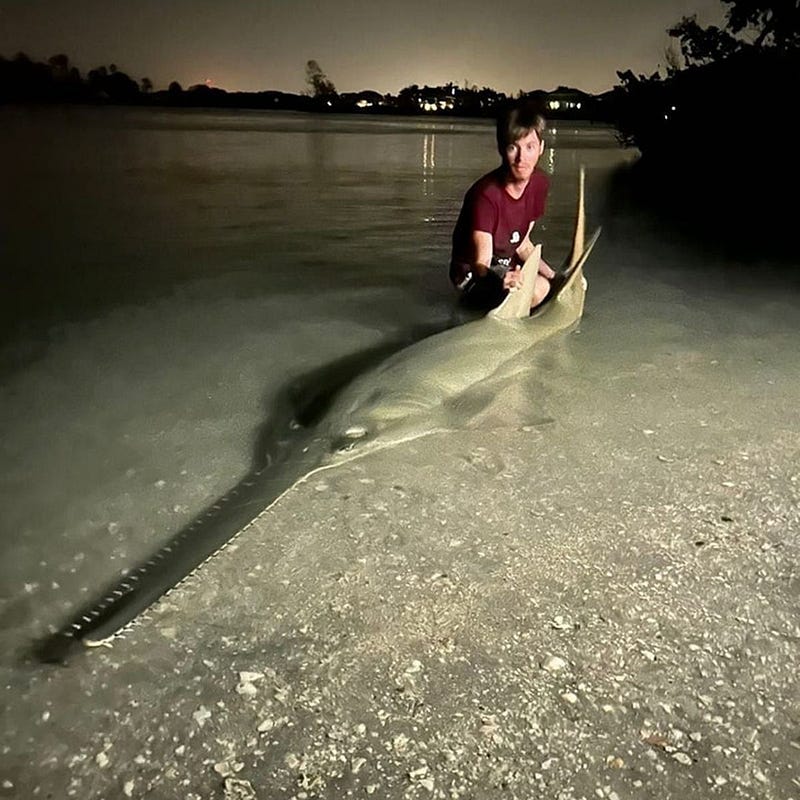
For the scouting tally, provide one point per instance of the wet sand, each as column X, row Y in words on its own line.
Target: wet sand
column 592, row 592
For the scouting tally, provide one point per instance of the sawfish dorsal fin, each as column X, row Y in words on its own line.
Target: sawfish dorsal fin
column 580, row 247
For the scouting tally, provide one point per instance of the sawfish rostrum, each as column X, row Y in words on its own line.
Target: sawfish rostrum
column 338, row 414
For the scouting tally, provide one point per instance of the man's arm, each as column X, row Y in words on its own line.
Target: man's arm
column 482, row 249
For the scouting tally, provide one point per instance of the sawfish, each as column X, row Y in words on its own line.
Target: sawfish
column 340, row 413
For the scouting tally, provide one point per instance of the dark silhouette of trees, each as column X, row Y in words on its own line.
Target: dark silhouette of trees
column 777, row 23
column 60, row 65
column 57, row 80
column 121, row 88
column 96, row 80
column 693, row 125
column 109, row 83
column 749, row 25
column 749, row 60
column 320, row 86
column 23, row 80
column 702, row 45
column 408, row 99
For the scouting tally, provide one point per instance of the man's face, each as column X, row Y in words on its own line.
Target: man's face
column 521, row 156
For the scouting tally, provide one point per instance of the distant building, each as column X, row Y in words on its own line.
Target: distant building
column 364, row 100
column 568, row 103
column 433, row 99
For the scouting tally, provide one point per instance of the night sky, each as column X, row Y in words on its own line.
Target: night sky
column 252, row 45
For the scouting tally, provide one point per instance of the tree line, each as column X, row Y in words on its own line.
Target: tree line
column 748, row 66
column 57, row 80
column 716, row 130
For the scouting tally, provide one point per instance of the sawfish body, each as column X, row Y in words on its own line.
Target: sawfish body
column 413, row 391
column 331, row 420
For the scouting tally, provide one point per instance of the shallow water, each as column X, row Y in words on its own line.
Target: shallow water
column 168, row 272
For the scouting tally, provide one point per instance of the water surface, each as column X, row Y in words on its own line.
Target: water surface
column 167, row 272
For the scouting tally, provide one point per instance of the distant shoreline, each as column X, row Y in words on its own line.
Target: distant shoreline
column 299, row 108
column 58, row 81
column 366, row 115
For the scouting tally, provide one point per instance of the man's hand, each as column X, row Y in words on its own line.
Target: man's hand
column 546, row 270
column 513, row 278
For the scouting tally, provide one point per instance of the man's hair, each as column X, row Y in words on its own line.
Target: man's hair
column 517, row 120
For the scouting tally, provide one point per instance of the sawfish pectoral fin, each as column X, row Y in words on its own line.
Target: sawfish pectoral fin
column 517, row 303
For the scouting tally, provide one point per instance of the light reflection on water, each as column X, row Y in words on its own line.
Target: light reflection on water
column 113, row 206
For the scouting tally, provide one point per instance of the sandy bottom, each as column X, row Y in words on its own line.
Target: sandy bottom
column 592, row 592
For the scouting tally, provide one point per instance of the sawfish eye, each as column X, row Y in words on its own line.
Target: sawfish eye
column 355, row 432
column 347, row 441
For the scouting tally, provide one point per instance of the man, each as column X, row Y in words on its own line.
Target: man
column 491, row 240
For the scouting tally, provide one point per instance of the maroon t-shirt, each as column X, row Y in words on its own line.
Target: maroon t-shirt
column 490, row 208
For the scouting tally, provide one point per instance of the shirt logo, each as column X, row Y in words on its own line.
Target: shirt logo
column 515, row 237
